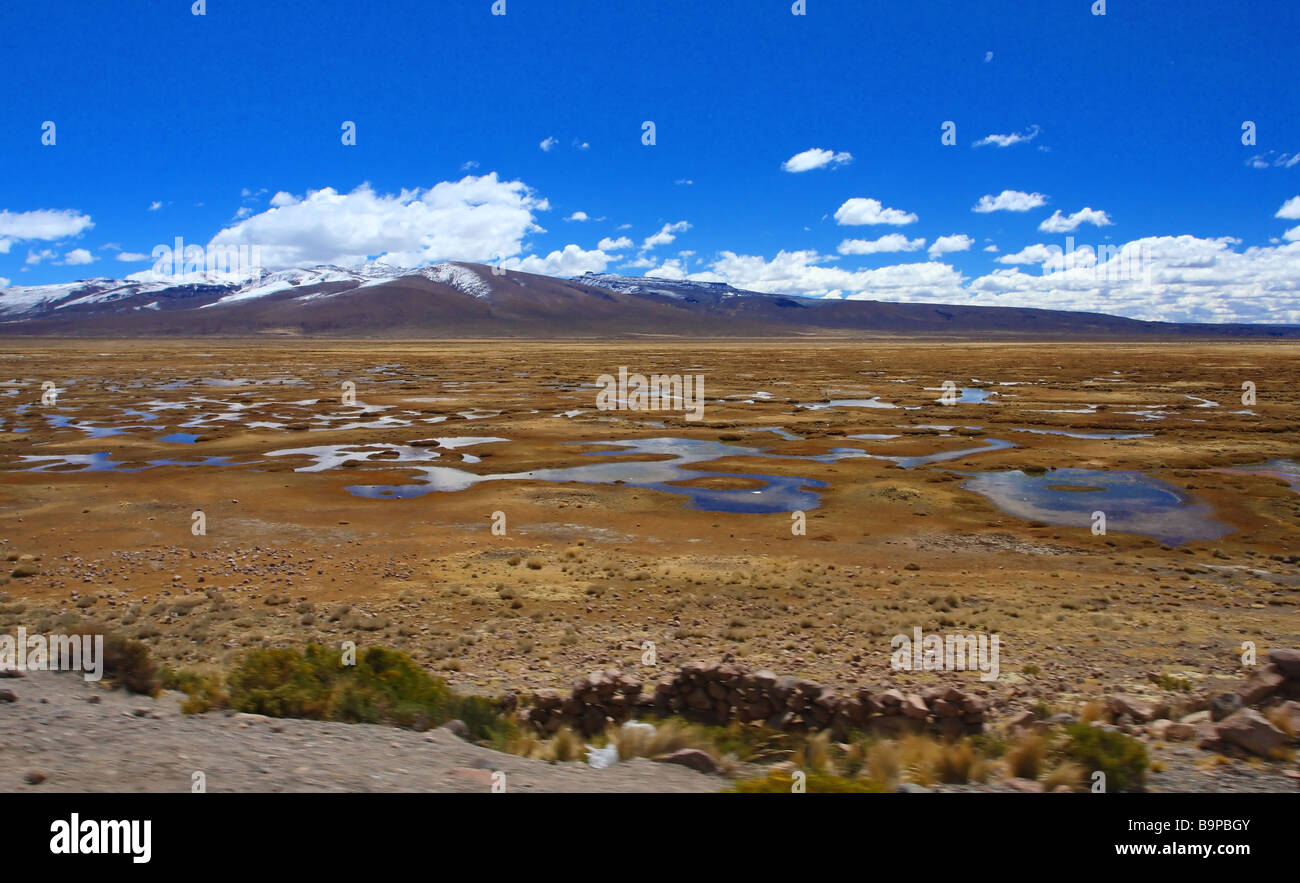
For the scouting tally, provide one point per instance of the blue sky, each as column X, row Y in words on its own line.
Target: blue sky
column 1129, row 125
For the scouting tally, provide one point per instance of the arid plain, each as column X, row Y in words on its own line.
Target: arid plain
column 327, row 520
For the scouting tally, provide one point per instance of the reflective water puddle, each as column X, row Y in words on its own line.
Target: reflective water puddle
column 1132, row 501
column 770, row 493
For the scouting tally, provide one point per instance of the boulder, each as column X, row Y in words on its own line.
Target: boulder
column 1286, row 660
column 1262, row 683
column 1250, row 730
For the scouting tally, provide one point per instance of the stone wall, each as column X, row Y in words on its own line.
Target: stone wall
column 718, row 693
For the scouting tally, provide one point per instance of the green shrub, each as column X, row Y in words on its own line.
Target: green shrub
column 1122, row 758
column 203, row 692
column 385, row 686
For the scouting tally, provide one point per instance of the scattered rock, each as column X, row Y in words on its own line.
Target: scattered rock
column 1250, row 730
column 1223, row 705
column 691, row 757
column 457, row 728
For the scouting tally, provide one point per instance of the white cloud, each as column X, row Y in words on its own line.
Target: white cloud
column 1009, row 201
column 669, row 269
column 815, row 158
column 577, row 216
column 36, row 257
column 608, row 244
column 798, row 272
column 131, row 256
column 948, row 244
column 469, row 165
column 1164, row 278
column 1292, row 235
column 859, row 211
column 683, row 182
column 581, row 145
column 1059, row 223
column 473, row 219
column 890, row 242
column 992, row 248
column 77, row 257
column 154, row 206
column 282, row 199
column 41, row 224
column 243, row 212
column 988, row 56
column 548, row 144
column 3, row 282
column 665, row 235
column 1290, row 209
column 569, row 261
column 1008, row 140
column 1279, row 160
column 1031, row 254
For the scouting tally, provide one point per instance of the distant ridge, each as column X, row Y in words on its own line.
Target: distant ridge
column 454, row 299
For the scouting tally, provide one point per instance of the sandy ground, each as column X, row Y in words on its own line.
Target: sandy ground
column 586, row 574
column 82, row 738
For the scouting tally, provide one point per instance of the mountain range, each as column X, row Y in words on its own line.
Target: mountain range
column 466, row 300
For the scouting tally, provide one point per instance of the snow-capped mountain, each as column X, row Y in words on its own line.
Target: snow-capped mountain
column 454, row 299
column 208, row 290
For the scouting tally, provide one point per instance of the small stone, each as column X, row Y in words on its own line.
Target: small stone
column 692, row 758
column 1223, row 705
column 35, row 777
column 457, row 728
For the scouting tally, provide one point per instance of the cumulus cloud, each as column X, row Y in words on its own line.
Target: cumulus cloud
column 608, row 244
column 577, row 216
column 1009, row 201
column 42, row 224
column 474, row 219
column 672, row 268
column 1032, row 254
column 37, row 257
column 3, row 282
column 947, row 244
column 666, row 234
column 1160, row 278
column 816, row 158
column 1059, row 223
column 131, row 257
column 859, row 211
column 548, row 144
column 155, row 205
column 1290, row 209
column 571, row 260
column 890, row 242
column 77, row 257
column 801, row 272
column 1008, row 140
